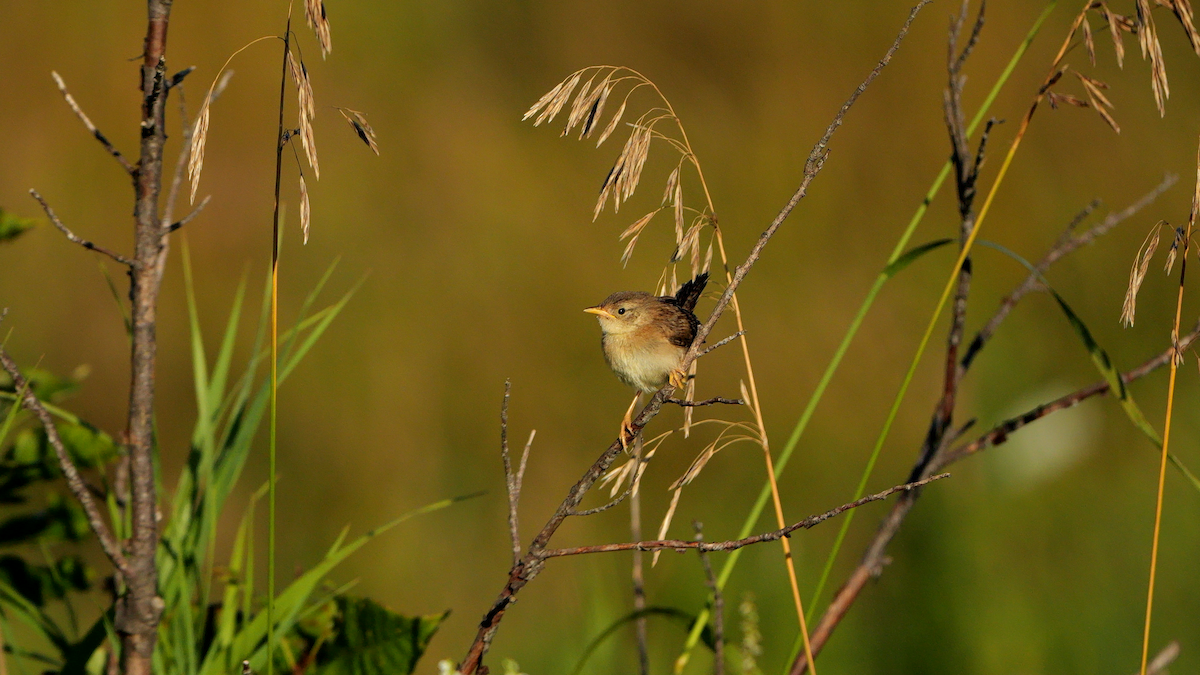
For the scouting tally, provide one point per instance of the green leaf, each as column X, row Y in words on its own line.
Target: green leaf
column 911, row 256
column 373, row 640
column 250, row 641
column 12, row 227
column 1104, row 364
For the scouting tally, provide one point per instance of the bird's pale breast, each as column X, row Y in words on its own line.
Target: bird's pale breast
column 642, row 359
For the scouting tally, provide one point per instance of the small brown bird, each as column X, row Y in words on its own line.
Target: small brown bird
column 645, row 336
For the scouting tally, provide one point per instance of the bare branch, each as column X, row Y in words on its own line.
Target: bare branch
column 510, row 479
column 76, row 238
column 62, row 88
column 74, row 481
column 722, row 343
column 188, row 218
column 684, row 545
column 711, row 401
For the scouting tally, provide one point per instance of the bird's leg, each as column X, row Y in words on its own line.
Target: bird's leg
column 627, row 421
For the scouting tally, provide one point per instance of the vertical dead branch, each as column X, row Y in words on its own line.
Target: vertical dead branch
column 139, row 610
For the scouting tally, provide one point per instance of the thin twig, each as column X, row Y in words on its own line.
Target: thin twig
column 74, row 481
column 74, row 238
column 732, row 545
column 1065, row 245
column 709, row 401
column 718, row 612
column 531, row 564
column 510, row 479
column 87, row 122
column 722, row 343
column 188, row 218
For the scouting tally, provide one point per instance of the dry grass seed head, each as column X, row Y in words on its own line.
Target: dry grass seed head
column 1148, row 41
column 304, row 208
column 1141, row 263
column 1175, row 242
column 1087, row 40
column 1114, row 28
column 358, row 121
column 1183, row 12
column 612, row 125
column 199, row 135
column 306, row 111
column 555, row 102
column 596, row 110
column 666, row 523
column 580, row 104
column 1098, row 101
column 314, row 15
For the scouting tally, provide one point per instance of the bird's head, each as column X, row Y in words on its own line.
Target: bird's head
column 624, row 312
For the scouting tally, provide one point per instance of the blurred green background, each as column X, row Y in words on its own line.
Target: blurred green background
column 475, row 231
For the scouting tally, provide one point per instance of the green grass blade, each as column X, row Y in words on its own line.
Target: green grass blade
column 249, row 643
column 220, row 374
column 13, row 408
column 1104, row 364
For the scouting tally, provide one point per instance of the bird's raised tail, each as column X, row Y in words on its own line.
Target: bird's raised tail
column 689, row 293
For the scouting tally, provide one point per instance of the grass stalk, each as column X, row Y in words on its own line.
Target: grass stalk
column 279, row 144
column 1162, row 466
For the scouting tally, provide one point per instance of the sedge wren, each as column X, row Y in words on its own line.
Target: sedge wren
column 644, row 337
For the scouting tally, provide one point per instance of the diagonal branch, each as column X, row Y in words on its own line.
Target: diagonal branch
column 531, row 564
column 87, row 122
column 76, row 238
column 188, row 218
column 74, row 481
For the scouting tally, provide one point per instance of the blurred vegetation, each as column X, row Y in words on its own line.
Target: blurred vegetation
column 475, row 228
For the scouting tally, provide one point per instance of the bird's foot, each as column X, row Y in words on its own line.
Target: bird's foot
column 678, row 378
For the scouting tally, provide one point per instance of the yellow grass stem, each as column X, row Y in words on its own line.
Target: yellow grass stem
column 1162, row 465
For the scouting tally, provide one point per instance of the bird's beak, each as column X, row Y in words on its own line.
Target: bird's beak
column 598, row 312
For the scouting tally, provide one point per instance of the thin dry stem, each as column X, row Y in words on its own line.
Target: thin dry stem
column 87, row 122
column 74, row 238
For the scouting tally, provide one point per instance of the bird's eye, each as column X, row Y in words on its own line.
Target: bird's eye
column 621, row 311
